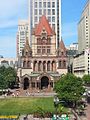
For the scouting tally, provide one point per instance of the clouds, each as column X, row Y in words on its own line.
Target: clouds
column 10, row 12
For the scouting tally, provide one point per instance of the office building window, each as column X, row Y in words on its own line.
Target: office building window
column 44, row 11
column 40, row 12
column 53, row 4
column 22, row 33
column 49, row 19
column 35, row 4
column 53, row 26
column 44, row 4
column 35, row 19
column 49, row 5
column 36, row 11
column 53, row 19
column 40, row 4
column 49, row 12
column 53, row 11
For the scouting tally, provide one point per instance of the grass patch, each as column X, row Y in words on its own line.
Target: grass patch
column 14, row 106
column 24, row 105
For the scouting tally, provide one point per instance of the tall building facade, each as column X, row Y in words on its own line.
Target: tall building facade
column 22, row 34
column 84, row 29
column 42, row 64
column 81, row 63
column 51, row 9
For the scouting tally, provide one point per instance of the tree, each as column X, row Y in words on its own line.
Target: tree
column 86, row 79
column 7, row 77
column 69, row 88
column 3, row 84
column 10, row 76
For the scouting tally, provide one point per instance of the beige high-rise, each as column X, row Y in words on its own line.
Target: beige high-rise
column 84, row 29
column 22, row 34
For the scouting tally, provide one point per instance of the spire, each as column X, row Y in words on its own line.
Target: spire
column 61, row 45
column 27, row 51
column 27, row 46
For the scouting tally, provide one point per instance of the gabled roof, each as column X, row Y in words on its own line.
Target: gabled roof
column 43, row 24
column 62, row 46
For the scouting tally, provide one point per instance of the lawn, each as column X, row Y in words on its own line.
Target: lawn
column 25, row 105
column 14, row 106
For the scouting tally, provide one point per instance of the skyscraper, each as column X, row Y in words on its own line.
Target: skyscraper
column 22, row 34
column 84, row 29
column 51, row 9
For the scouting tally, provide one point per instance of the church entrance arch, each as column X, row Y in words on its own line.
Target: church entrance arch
column 26, row 83
column 44, row 82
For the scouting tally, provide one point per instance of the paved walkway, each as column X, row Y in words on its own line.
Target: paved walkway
column 88, row 112
column 30, row 117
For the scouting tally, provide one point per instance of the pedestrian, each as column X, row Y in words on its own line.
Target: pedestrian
column 13, row 94
column 28, row 93
column 5, row 95
column 17, row 94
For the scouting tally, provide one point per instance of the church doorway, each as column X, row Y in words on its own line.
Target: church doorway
column 26, row 83
column 44, row 82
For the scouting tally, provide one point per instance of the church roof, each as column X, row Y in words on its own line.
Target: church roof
column 43, row 24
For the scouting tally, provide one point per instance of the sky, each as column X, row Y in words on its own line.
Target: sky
column 13, row 10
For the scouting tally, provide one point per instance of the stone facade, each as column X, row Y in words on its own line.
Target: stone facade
column 42, row 64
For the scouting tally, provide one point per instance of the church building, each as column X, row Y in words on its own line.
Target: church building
column 42, row 64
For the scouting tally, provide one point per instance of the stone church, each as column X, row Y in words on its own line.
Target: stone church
column 42, row 64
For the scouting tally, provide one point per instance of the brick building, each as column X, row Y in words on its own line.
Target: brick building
column 42, row 64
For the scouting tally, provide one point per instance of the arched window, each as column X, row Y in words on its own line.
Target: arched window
column 59, row 64
column 53, row 66
column 64, row 64
column 40, row 66
column 29, row 64
column 26, row 53
column 62, row 53
column 35, row 66
column 48, row 66
column 24, row 64
column 44, row 66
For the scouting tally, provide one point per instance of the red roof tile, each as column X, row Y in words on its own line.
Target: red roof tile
column 44, row 24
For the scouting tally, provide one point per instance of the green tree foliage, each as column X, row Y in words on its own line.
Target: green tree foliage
column 69, row 88
column 7, row 77
column 86, row 79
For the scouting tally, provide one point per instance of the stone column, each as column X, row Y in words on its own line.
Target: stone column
column 35, row 84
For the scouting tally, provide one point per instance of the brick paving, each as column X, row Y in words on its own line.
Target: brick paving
column 88, row 112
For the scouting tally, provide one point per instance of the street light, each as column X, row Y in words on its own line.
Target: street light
column 56, row 103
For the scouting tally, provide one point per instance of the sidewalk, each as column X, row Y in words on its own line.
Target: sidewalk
column 30, row 117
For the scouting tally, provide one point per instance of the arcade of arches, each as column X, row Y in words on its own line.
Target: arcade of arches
column 44, row 66
column 43, row 83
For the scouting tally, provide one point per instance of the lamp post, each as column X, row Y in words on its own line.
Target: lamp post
column 56, row 103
